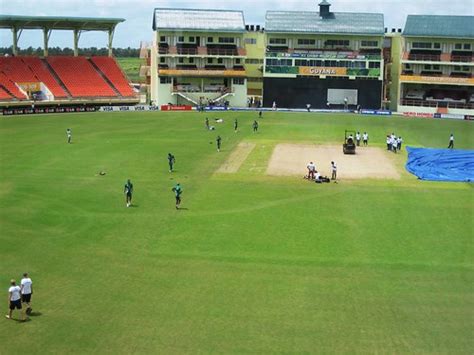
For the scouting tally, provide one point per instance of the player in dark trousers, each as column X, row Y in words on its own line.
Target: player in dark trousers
column 260, row 113
column 334, row 171
column 255, row 126
column 236, row 125
column 218, row 142
column 451, row 141
column 207, row 123
column 69, row 135
column 26, row 292
column 365, row 138
column 128, row 191
column 177, row 193
column 14, row 300
column 171, row 161
column 358, row 139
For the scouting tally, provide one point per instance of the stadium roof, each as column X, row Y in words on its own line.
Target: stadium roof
column 439, row 26
column 59, row 23
column 350, row 23
column 198, row 20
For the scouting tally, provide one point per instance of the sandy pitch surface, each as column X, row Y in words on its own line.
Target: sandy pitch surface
column 292, row 159
column 236, row 158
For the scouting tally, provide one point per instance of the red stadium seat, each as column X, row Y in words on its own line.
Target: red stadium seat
column 80, row 77
column 11, row 87
column 4, row 95
column 109, row 67
column 44, row 75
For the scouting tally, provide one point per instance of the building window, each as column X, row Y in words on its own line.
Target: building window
column 181, row 60
column 437, row 45
column 181, row 39
column 162, row 60
column 467, row 46
column 210, row 60
column 250, row 41
column 192, row 39
column 306, row 42
column 374, row 64
column 191, row 60
column 220, row 61
column 421, row 45
column 337, row 42
column 279, row 62
column 163, row 39
column 369, row 43
column 226, row 39
column 237, row 61
column 165, row 80
column 458, row 46
column 238, row 81
column 277, row 41
column 210, row 39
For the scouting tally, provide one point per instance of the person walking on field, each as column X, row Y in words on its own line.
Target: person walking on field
column 451, row 141
column 14, row 300
column 178, row 190
column 260, row 113
column 255, row 126
column 128, row 191
column 26, row 292
column 207, row 123
column 218, row 142
column 69, row 135
column 236, row 125
column 334, row 171
column 171, row 161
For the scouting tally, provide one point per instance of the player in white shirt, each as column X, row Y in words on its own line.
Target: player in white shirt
column 399, row 143
column 451, row 141
column 69, row 135
column 358, row 138
column 274, row 106
column 311, row 169
column 14, row 300
column 365, row 138
column 26, row 291
column 334, row 170
column 394, row 144
column 389, row 143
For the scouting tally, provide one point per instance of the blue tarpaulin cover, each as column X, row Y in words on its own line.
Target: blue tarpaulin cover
column 441, row 164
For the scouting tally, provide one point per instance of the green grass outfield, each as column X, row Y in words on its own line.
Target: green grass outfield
column 253, row 264
column 131, row 67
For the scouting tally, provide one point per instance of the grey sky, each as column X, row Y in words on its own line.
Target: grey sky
column 138, row 14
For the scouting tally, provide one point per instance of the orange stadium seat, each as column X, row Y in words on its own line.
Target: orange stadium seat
column 4, row 95
column 10, row 86
column 44, row 75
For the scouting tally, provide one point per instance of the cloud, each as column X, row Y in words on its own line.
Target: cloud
column 138, row 14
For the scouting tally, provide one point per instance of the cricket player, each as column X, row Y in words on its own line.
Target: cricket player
column 311, row 170
column 218, row 142
column 171, row 161
column 365, row 138
column 358, row 138
column 451, row 141
column 128, row 191
column 26, row 292
column 334, row 171
column 178, row 190
column 69, row 135
column 14, row 300
column 236, row 125
column 255, row 126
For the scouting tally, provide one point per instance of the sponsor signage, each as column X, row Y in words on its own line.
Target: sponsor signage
column 128, row 108
column 437, row 79
column 197, row 72
column 418, row 114
column 376, row 112
column 176, row 108
column 469, row 117
column 39, row 110
column 448, row 115
column 330, row 71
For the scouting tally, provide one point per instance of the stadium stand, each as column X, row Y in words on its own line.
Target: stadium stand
column 10, row 87
column 108, row 66
column 4, row 95
column 42, row 72
column 88, row 84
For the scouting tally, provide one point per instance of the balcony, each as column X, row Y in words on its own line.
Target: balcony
column 319, row 54
column 434, row 104
column 220, row 89
column 202, row 72
column 440, row 57
column 436, row 79
column 202, row 51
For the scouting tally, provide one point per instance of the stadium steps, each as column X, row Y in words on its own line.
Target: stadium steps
column 103, row 76
column 44, row 75
column 112, row 72
column 5, row 94
column 185, row 97
column 11, row 87
column 56, row 77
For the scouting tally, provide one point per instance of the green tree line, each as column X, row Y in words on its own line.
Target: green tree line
column 118, row 52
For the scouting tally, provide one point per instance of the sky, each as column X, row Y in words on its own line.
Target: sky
column 138, row 15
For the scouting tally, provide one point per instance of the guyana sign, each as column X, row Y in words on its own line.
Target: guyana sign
column 317, row 71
